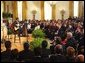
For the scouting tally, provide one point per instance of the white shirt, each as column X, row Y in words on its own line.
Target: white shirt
column 37, row 27
column 29, row 26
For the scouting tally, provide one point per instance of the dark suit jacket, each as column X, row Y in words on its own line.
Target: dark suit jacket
column 26, row 55
column 58, row 58
column 71, row 42
column 6, row 56
column 70, row 59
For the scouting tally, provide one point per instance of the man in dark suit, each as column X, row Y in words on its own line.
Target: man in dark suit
column 58, row 56
column 45, row 52
column 70, row 40
column 37, row 57
column 26, row 54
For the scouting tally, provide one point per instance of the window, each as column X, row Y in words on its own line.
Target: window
column 47, row 11
column 76, row 3
column 20, row 10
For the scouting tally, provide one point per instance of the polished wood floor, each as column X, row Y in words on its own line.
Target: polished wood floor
column 19, row 45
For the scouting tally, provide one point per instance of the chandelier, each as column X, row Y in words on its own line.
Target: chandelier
column 62, row 11
column 52, row 2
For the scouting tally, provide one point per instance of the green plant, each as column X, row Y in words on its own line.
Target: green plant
column 36, row 43
column 6, row 15
column 38, row 33
column 10, row 31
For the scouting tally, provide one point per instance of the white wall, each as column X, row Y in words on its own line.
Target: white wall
column 1, row 19
column 62, row 5
column 76, row 3
column 47, row 11
column 1, row 10
column 19, row 6
column 33, row 5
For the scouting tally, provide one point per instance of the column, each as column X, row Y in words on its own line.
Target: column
column 80, row 11
column 15, row 10
column 42, row 10
column 71, row 8
column 24, row 10
column 53, row 11
column 4, row 3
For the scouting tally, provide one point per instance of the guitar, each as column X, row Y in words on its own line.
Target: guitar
column 16, row 27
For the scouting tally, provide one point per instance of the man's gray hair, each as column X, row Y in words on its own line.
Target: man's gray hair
column 70, row 34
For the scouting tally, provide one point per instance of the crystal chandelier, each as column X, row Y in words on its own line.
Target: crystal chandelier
column 52, row 2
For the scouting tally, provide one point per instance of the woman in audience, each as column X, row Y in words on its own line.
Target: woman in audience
column 70, row 54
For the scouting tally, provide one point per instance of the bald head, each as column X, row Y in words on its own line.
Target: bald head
column 80, row 58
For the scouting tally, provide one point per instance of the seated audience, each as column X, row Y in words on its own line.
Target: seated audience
column 67, row 41
column 6, row 55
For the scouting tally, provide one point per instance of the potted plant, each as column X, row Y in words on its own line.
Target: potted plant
column 38, row 35
column 7, row 15
column 36, row 43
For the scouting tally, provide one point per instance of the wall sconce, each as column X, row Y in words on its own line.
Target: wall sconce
column 34, row 12
column 62, row 13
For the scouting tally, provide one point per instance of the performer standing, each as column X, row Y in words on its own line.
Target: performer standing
column 18, row 27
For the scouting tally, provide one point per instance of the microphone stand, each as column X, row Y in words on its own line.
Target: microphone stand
column 26, row 31
column 8, row 31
